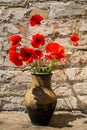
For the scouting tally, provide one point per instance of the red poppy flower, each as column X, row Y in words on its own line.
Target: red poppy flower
column 60, row 56
column 52, row 47
column 15, row 40
column 36, row 20
column 55, row 50
column 37, row 40
column 12, row 48
column 27, row 54
column 75, row 43
column 38, row 55
column 74, row 38
column 16, row 58
column 49, row 56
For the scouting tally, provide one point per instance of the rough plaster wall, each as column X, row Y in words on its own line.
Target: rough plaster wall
column 70, row 82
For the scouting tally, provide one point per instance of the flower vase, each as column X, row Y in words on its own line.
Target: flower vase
column 40, row 100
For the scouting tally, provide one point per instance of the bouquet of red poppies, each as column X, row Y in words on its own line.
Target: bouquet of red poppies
column 41, row 56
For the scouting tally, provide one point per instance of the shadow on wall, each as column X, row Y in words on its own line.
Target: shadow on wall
column 80, row 104
column 69, row 99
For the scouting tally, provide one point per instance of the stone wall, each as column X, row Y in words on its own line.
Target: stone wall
column 69, row 82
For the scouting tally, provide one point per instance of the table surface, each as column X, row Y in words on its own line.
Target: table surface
column 61, row 120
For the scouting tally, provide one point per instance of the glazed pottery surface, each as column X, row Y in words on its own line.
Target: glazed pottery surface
column 40, row 100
